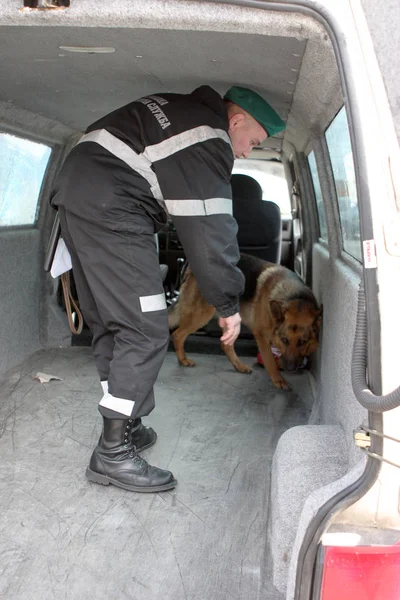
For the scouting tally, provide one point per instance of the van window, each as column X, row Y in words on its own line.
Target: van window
column 22, row 167
column 271, row 177
column 323, row 231
column 339, row 146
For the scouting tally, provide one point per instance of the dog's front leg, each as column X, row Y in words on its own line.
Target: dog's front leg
column 269, row 361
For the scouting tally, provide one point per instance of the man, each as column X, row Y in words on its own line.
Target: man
column 162, row 154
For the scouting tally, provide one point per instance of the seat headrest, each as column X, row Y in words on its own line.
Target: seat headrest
column 244, row 186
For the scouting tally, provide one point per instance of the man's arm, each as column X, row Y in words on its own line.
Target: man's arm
column 196, row 189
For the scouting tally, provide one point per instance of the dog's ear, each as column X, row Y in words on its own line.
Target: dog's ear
column 277, row 312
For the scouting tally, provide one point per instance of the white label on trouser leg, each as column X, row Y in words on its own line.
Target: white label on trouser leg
column 120, row 405
column 152, row 303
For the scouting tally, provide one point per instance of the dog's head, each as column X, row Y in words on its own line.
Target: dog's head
column 297, row 325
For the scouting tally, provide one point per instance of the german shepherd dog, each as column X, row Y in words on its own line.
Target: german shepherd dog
column 276, row 306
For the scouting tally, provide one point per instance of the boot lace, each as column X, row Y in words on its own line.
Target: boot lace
column 140, row 462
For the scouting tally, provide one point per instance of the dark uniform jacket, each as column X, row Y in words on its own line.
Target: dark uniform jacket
column 164, row 154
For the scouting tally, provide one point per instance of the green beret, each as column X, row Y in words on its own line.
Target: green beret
column 257, row 107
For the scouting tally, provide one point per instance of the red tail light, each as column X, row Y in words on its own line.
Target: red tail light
column 361, row 573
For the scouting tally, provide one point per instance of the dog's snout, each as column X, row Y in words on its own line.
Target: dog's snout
column 292, row 364
column 291, row 367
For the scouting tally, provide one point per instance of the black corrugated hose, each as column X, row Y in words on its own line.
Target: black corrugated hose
column 366, row 398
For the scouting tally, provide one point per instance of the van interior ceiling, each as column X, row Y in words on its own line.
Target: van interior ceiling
column 253, row 463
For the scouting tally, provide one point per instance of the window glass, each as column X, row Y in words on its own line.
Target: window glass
column 271, row 177
column 323, row 231
column 22, row 167
column 338, row 140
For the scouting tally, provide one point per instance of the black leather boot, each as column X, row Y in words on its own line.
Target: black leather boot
column 141, row 437
column 115, row 460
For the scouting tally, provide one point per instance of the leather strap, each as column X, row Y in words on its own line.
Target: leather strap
column 71, row 302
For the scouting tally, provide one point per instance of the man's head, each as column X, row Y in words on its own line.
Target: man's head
column 251, row 120
column 244, row 131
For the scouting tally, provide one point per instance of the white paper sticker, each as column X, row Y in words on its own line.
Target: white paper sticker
column 369, row 254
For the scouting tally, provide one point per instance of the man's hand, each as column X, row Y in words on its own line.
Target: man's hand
column 231, row 328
